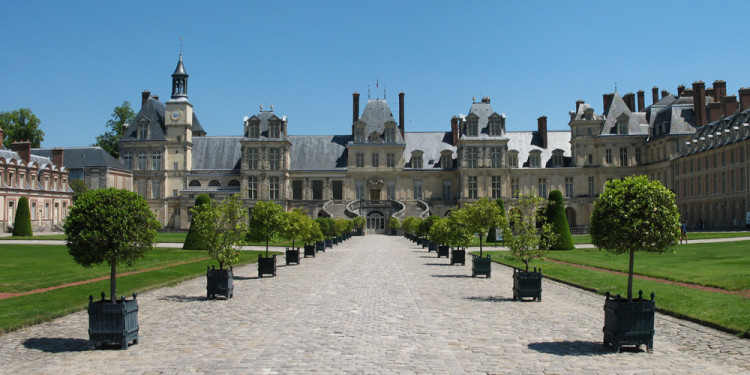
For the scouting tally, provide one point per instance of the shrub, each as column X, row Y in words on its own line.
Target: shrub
column 22, row 223
column 555, row 213
column 193, row 241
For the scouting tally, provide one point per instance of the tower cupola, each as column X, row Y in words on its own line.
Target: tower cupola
column 179, row 81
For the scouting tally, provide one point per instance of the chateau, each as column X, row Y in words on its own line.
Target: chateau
column 694, row 142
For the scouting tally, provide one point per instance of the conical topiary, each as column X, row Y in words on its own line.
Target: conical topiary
column 22, row 223
column 556, row 216
column 194, row 241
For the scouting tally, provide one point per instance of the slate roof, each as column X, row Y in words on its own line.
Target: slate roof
column 431, row 144
column 674, row 119
column 524, row 142
column 264, row 117
column 637, row 124
column 706, row 137
column 35, row 158
column 375, row 115
column 214, row 153
column 81, row 157
column 318, row 152
column 483, row 111
column 153, row 111
column 582, row 109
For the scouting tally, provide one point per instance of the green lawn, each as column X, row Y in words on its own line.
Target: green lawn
column 41, row 266
column 586, row 239
column 177, row 237
column 722, row 310
column 723, row 265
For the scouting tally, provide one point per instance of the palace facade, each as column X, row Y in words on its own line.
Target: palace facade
column 693, row 141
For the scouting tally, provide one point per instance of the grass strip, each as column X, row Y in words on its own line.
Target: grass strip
column 23, row 311
column 726, row 312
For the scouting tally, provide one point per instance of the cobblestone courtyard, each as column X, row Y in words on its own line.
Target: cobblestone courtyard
column 375, row 304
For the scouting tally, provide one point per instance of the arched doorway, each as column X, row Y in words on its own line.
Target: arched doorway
column 570, row 214
column 375, row 222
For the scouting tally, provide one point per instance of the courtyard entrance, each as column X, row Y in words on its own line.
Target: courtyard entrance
column 375, row 222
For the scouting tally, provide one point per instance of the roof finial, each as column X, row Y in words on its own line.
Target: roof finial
column 384, row 98
column 180, row 46
column 368, row 92
column 615, row 86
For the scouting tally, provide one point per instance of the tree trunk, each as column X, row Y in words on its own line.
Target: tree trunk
column 267, row 247
column 480, row 244
column 113, row 282
column 630, row 276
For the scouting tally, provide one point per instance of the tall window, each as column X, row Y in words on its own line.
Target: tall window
column 447, row 190
column 590, row 159
column 472, row 157
column 142, row 131
column 608, row 156
column 375, row 161
column 723, row 181
column 535, row 160
column 128, row 160
column 706, row 185
column 515, row 188
column 273, row 188
column 496, row 187
column 446, row 161
column 495, row 127
column 254, row 130
column 416, row 161
column 142, row 161
column 557, row 160
column 513, row 161
column 360, row 160
column 359, row 134
column 638, row 155
column 141, row 187
column 472, row 128
column 156, row 161
column 360, row 190
column 591, row 186
column 623, row 156
column 155, row 189
column 252, row 187
column 391, row 190
column 417, row 189
column 253, row 158
column 274, row 159
column 569, row 187
column 473, row 187
column 542, row 187
column 274, row 130
column 496, row 157
column 742, row 178
column 390, row 135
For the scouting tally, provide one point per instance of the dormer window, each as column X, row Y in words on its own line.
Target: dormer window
column 557, row 158
column 142, row 131
column 622, row 124
column 535, row 159
column 274, row 130
column 416, row 160
column 446, row 160
column 588, row 114
column 513, row 159
column 472, row 128
column 253, row 129
column 359, row 134
column 390, row 134
column 495, row 125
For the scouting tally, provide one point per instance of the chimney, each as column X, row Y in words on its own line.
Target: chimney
column 454, row 129
column 641, row 101
column 720, row 88
column 710, row 92
column 729, row 104
column 57, row 157
column 664, row 93
column 401, row 112
column 355, row 107
column 714, row 111
column 23, row 148
column 607, row 100
column 629, row 99
column 144, row 97
column 688, row 93
column 655, row 94
column 680, row 90
column 578, row 104
column 744, row 103
column 542, row 124
column 699, row 103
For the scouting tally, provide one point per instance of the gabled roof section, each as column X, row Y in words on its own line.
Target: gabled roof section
column 586, row 112
column 481, row 112
column 265, row 118
column 152, row 113
column 375, row 116
column 637, row 124
column 674, row 119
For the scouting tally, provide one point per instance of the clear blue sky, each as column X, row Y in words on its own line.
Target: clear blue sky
column 73, row 62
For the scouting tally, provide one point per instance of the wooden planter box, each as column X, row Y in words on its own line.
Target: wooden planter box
column 336, row 240
column 113, row 323
column 629, row 323
column 458, row 256
column 292, row 256
column 481, row 266
column 320, row 246
column 419, row 241
column 426, row 244
column 219, row 282
column 527, row 284
column 266, row 266
column 310, row 250
column 443, row 251
column 432, row 247
column 329, row 244
column 360, row 232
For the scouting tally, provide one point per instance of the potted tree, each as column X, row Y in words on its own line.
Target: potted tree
column 633, row 214
column 113, row 226
column 193, row 241
column 555, row 214
column 311, row 237
column 266, row 222
column 450, row 232
column 417, row 234
column 479, row 217
column 340, row 226
column 424, row 231
column 296, row 224
column 222, row 228
column 359, row 225
column 409, row 226
column 394, row 224
column 529, row 237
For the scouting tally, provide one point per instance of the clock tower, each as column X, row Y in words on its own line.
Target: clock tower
column 178, row 120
